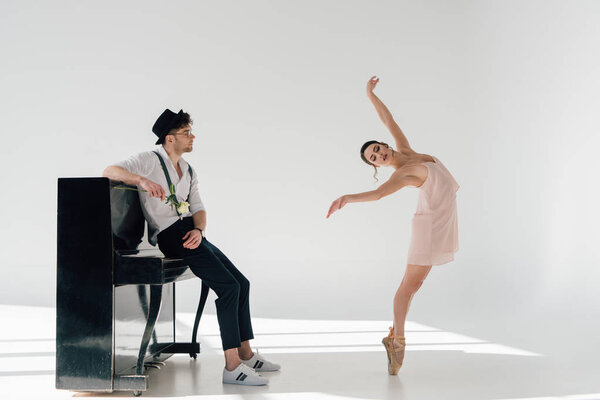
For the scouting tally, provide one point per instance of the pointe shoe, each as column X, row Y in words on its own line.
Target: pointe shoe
column 395, row 354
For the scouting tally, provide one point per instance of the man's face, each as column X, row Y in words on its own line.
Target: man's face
column 183, row 139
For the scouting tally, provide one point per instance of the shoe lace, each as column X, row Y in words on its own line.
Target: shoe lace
column 262, row 359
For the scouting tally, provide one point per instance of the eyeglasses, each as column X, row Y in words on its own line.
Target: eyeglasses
column 187, row 133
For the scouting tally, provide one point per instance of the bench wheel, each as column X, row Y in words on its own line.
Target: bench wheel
column 137, row 393
column 194, row 355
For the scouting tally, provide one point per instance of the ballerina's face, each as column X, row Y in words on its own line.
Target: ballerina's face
column 379, row 154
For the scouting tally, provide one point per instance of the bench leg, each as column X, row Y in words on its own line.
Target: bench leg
column 203, row 296
column 155, row 303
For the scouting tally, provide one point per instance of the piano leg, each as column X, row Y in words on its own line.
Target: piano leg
column 203, row 296
column 155, row 302
column 143, row 296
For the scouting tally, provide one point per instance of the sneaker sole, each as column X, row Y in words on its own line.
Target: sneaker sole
column 245, row 383
column 267, row 370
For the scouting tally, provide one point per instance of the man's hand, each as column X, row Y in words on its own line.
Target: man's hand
column 153, row 189
column 194, row 238
column 337, row 204
column 371, row 84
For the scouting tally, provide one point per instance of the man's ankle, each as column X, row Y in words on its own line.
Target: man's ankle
column 246, row 356
column 232, row 365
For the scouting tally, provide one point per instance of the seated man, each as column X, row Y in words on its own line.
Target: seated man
column 179, row 227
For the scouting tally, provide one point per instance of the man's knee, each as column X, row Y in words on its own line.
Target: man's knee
column 228, row 290
column 244, row 284
column 234, row 287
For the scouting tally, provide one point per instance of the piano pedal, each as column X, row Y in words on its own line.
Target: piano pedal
column 162, row 364
column 148, row 365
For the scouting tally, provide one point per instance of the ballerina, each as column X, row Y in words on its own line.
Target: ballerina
column 435, row 224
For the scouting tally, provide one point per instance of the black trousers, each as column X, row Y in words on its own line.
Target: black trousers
column 208, row 263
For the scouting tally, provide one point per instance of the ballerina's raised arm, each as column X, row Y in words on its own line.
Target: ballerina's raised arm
column 386, row 117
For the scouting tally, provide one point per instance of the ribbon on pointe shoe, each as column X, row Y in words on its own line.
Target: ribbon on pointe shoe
column 391, row 335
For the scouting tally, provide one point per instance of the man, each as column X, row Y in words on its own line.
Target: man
column 180, row 234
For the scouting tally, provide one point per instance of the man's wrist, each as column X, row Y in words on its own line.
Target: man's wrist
column 200, row 229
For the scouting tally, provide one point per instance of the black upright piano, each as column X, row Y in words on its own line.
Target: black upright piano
column 115, row 304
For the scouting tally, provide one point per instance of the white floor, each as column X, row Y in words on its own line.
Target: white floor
column 325, row 360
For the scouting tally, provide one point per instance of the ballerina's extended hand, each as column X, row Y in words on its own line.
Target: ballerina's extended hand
column 337, row 205
column 372, row 83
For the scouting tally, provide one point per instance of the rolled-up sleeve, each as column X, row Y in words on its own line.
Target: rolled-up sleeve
column 139, row 164
column 195, row 201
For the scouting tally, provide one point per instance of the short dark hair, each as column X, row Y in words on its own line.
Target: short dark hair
column 183, row 121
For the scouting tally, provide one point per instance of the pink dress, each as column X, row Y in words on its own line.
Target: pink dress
column 435, row 224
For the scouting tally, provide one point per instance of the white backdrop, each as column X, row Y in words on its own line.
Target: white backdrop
column 504, row 93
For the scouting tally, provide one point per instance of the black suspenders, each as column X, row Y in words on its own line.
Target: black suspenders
column 164, row 167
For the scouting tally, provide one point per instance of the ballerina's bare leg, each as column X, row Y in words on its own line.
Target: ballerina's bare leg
column 412, row 281
column 395, row 342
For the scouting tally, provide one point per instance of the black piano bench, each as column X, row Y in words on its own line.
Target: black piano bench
column 115, row 304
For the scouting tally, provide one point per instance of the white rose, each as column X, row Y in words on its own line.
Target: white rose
column 183, row 207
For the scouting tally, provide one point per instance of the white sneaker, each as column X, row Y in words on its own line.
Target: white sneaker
column 244, row 375
column 259, row 364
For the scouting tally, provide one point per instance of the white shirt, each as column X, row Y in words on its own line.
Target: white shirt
column 158, row 214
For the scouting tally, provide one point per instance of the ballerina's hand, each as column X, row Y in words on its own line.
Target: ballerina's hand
column 337, row 205
column 372, row 83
